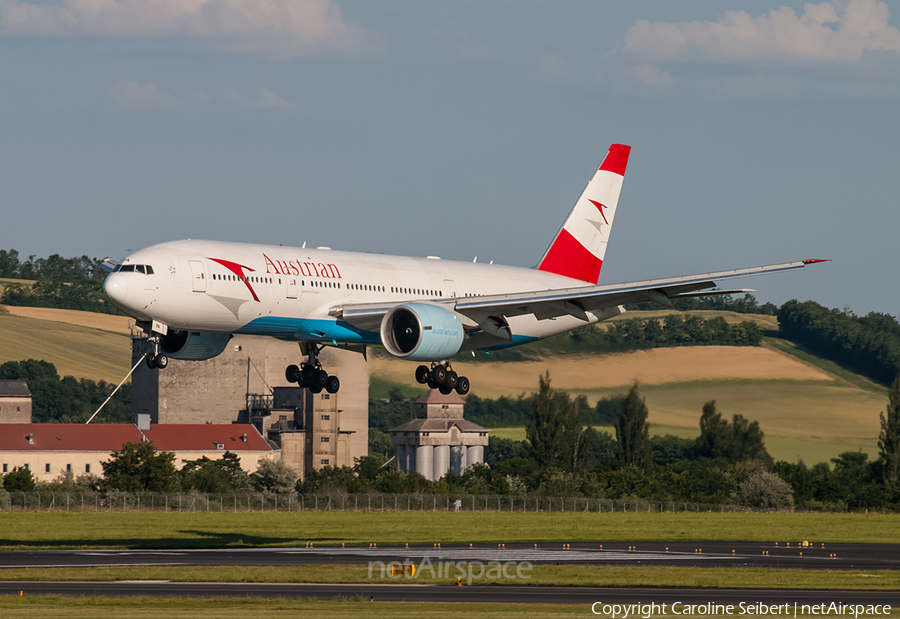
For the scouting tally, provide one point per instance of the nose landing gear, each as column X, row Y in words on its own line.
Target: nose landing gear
column 442, row 377
column 310, row 374
column 155, row 359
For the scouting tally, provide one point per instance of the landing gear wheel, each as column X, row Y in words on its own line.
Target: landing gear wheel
column 462, row 385
column 445, row 389
column 431, row 384
column 308, row 374
column 292, row 374
column 439, row 374
column 332, row 384
column 321, row 380
column 316, row 389
column 422, row 374
column 161, row 361
column 151, row 361
column 452, row 378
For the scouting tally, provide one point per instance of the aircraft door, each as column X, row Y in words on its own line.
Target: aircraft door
column 291, row 287
column 449, row 288
column 198, row 276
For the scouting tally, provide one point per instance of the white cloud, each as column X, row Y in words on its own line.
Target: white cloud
column 280, row 28
column 262, row 99
column 130, row 95
column 824, row 32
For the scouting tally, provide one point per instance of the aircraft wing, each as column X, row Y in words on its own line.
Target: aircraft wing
column 577, row 301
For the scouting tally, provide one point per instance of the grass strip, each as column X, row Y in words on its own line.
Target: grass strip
column 538, row 575
column 147, row 530
column 51, row 606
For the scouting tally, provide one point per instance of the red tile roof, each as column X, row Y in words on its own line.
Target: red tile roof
column 109, row 437
column 106, row 437
column 205, row 437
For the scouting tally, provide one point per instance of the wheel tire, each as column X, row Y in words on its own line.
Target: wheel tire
column 422, row 374
column 333, row 384
column 161, row 362
column 315, row 389
column 439, row 374
column 452, row 378
column 462, row 385
column 445, row 389
column 431, row 384
column 151, row 361
column 320, row 380
column 292, row 374
column 307, row 374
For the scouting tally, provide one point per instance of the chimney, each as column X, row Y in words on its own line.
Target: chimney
column 244, row 437
column 30, row 438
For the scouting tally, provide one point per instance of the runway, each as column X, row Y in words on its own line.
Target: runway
column 506, row 594
column 790, row 555
column 471, row 559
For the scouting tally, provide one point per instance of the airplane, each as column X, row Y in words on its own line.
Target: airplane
column 190, row 296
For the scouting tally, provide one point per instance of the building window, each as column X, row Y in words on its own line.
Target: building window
column 27, row 467
column 324, row 461
column 68, row 468
column 5, row 467
column 87, row 468
column 325, row 439
column 282, row 417
column 47, row 467
column 326, row 396
column 326, row 417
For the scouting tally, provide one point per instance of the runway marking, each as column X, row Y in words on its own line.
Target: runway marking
column 476, row 554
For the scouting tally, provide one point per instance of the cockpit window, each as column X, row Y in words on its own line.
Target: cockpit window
column 136, row 268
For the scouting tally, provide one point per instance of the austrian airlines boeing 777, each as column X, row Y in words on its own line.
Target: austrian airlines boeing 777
column 190, row 296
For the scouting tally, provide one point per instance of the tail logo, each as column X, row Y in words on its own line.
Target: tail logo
column 600, row 208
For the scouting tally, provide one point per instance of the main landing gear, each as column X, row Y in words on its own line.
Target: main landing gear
column 441, row 376
column 310, row 374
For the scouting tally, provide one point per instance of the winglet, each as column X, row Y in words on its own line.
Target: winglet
column 815, row 260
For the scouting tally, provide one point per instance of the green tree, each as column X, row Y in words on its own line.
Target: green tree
column 889, row 439
column 19, row 479
column 215, row 476
column 380, row 443
column 138, row 467
column 737, row 441
column 273, row 476
column 553, row 432
column 765, row 490
column 633, row 431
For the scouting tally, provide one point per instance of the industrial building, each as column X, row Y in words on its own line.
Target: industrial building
column 247, row 384
column 439, row 440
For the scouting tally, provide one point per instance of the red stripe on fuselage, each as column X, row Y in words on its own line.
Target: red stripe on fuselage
column 568, row 257
column 238, row 270
column 617, row 159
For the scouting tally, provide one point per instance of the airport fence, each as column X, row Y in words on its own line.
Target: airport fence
column 89, row 501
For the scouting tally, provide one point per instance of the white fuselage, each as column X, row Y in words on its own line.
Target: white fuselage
column 288, row 292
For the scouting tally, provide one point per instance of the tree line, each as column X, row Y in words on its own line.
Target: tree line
column 140, row 467
column 727, row 462
column 68, row 399
column 62, row 283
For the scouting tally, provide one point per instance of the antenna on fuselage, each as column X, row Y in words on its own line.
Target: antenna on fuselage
column 475, row 260
column 303, row 246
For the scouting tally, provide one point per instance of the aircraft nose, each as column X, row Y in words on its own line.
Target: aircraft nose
column 116, row 288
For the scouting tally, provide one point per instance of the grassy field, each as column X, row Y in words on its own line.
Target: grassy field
column 75, row 350
column 43, row 607
column 45, row 530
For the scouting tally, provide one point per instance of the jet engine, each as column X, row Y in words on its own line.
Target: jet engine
column 193, row 345
column 421, row 332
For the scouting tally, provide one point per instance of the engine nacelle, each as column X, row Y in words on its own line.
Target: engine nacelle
column 421, row 332
column 193, row 345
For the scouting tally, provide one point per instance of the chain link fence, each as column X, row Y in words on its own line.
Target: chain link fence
column 336, row 501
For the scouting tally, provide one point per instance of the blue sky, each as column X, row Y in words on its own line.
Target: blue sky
column 762, row 132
